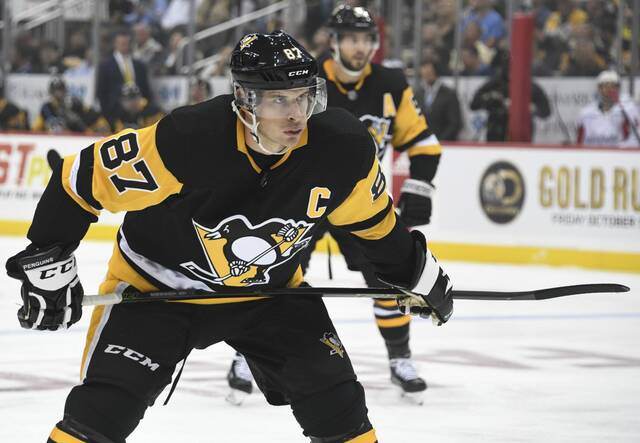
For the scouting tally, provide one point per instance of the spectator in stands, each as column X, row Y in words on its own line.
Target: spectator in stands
column 118, row 69
column 583, row 60
column 49, row 59
column 175, row 54
column 175, row 14
column 445, row 18
column 64, row 113
column 603, row 14
column 199, row 91
column 135, row 111
column 212, row 12
column 490, row 21
column 140, row 13
column 24, row 54
column 610, row 120
column 493, row 96
column 562, row 22
column 472, row 36
column 471, row 63
column 431, row 38
column 76, row 52
column 541, row 12
column 320, row 42
column 12, row 118
column 118, row 9
column 146, row 48
column 439, row 103
column 77, row 45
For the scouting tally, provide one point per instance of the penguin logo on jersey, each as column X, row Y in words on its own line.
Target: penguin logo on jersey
column 240, row 254
column 379, row 129
column 334, row 343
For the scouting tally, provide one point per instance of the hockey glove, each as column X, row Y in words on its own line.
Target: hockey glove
column 429, row 292
column 415, row 202
column 51, row 291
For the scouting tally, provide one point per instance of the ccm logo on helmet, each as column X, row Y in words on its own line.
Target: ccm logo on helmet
column 301, row 72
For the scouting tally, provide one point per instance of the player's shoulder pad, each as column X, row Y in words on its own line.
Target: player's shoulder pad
column 392, row 78
column 202, row 117
column 338, row 134
column 335, row 123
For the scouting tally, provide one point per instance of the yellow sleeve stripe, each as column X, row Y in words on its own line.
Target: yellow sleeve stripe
column 393, row 322
column 133, row 199
column 360, row 206
column 386, row 303
column 367, row 437
column 59, row 436
column 69, row 172
column 409, row 122
column 435, row 149
column 379, row 230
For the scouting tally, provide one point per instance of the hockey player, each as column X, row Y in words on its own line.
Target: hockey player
column 134, row 111
column 222, row 194
column 12, row 118
column 610, row 120
column 65, row 113
column 381, row 98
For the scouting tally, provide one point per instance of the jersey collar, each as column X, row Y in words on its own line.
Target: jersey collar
column 242, row 147
column 329, row 67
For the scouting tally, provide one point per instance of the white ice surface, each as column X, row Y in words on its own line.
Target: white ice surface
column 563, row 370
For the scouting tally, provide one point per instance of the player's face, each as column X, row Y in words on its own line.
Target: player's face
column 131, row 105
column 609, row 92
column 355, row 49
column 283, row 116
column 59, row 93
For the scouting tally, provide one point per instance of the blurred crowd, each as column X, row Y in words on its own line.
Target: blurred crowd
column 572, row 37
column 144, row 39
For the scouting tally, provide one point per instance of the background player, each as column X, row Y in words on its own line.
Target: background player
column 208, row 205
column 381, row 98
column 609, row 120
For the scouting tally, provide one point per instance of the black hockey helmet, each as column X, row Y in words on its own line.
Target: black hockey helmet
column 130, row 91
column 352, row 19
column 272, row 61
column 57, row 83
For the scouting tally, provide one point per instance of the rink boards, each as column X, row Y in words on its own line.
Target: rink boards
column 509, row 204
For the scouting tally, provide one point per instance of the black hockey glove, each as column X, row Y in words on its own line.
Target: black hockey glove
column 51, row 291
column 429, row 292
column 415, row 202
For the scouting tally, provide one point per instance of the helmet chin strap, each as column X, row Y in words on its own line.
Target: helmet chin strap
column 253, row 130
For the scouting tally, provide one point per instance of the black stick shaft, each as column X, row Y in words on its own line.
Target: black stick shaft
column 391, row 293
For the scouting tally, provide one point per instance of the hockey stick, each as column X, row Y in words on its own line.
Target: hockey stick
column 133, row 296
column 629, row 122
column 561, row 122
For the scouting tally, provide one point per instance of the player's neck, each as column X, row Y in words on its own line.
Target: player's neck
column 345, row 77
column 271, row 146
column 606, row 106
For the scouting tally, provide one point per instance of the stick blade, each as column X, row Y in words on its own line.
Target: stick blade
column 594, row 288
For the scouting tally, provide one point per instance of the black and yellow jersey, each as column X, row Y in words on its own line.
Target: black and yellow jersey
column 383, row 100
column 71, row 115
column 148, row 115
column 12, row 118
column 202, row 213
